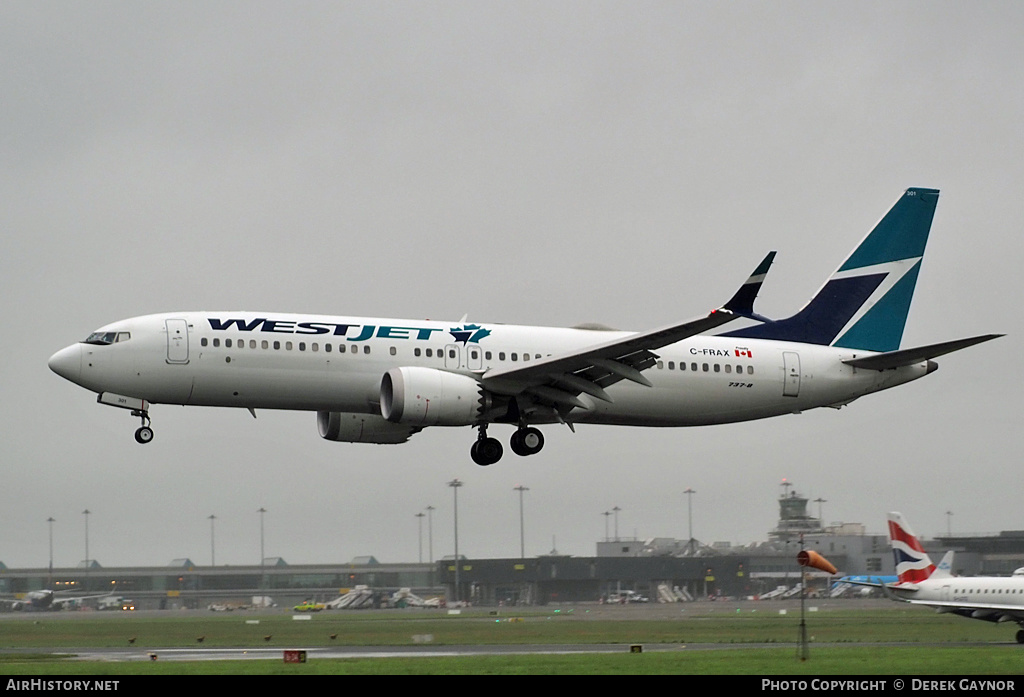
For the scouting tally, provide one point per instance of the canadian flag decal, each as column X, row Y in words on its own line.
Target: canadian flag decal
column 743, row 352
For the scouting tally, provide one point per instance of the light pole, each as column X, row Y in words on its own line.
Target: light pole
column 430, row 542
column 419, row 532
column 522, row 534
column 949, row 527
column 606, row 514
column 213, row 558
column 455, row 484
column 821, row 517
column 86, row 513
column 616, row 512
column 430, row 533
column 689, row 506
column 49, row 579
column 263, row 578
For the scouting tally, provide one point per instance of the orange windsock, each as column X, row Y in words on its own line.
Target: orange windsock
column 815, row 560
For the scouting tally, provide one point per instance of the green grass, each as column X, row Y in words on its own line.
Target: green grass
column 842, row 642
column 899, row 661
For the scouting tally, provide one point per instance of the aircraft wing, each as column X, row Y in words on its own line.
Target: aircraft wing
column 559, row 380
column 59, row 602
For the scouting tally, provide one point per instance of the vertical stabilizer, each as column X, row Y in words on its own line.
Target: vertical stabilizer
column 913, row 564
column 864, row 304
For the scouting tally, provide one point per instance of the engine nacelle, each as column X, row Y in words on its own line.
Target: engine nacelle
column 428, row 397
column 361, row 428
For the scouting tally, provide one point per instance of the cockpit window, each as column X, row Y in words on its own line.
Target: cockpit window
column 104, row 338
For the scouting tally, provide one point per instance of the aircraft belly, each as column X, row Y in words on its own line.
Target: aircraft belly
column 682, row 406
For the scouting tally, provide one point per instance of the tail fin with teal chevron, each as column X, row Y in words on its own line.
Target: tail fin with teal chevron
column 864, row 304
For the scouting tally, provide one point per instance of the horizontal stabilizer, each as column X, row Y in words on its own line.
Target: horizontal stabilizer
column 904, row 357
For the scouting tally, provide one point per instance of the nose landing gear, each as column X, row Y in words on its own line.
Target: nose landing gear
column 144, row 434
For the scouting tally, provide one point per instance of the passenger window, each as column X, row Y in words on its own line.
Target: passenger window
column 203, row 341
column 252, row 343
column 288, row 345
column 265, row 344
column 515, row 356
column 392, row 350
column 327, row 348
column 728, row 368
column 451, row 353
column 693, row 367
column 660, row 365
column 501, row 355
column 366, row 349
column 704, row 366
column 302, row 345
column 671, row 365
column 341, row 348
column 718, row 368
column 277, row 345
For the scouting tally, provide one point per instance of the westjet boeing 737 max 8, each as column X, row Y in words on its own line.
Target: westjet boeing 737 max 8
column 381, row 380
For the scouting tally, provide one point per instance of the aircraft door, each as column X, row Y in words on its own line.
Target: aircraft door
column 791, row 377
column 177, row 341
column 452, row 356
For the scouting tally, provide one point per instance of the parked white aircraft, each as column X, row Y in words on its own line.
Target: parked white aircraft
column 46, row 600
column 381, row 380
column 989, row 598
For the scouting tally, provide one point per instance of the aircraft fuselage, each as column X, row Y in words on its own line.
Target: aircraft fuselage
column 326, row 363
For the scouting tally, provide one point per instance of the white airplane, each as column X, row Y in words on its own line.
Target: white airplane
column 989, row 598
column 45, row 600
column 381, row 380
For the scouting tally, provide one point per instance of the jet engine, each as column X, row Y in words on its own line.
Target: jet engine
column 361, row 428
column 427, row 397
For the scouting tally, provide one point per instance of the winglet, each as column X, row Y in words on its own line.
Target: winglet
column 742, row 303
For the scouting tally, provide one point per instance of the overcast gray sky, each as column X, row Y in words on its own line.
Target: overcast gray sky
column 523, row 162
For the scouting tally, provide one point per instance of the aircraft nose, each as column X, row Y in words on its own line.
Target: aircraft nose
column 68, row 363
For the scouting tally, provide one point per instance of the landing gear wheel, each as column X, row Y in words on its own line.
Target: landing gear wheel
column 527, row 441
column 144, row 433
column 486, row 451
column 1020, row 636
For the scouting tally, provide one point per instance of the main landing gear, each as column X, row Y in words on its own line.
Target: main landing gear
column 144, row 434
column 525, row 441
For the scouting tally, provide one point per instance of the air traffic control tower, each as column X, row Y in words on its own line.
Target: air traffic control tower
column 793, row 518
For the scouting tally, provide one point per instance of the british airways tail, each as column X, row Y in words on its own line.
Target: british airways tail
column 864, row 304
column 913, row 564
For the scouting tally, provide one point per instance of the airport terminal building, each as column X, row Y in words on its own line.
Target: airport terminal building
column 655, row 569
